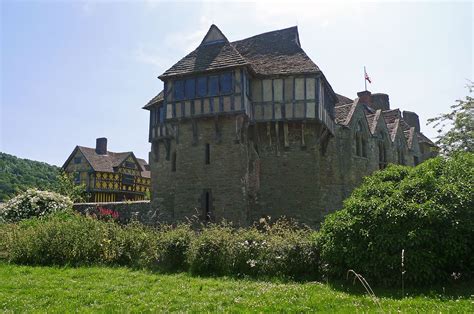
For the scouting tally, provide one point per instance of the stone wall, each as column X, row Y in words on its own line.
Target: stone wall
column 126, row 211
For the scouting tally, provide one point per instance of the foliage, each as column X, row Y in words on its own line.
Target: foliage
column 282, row 249
column 460, row 136
column 33, row 203
column 173, row 245
column 65, row 185
column 427, row 211
column 17, row 175
column 114, row 289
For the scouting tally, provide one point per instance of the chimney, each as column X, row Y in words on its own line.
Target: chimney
column 365, row 97
column 101, row 146
column 412, row 119
column 380, row 101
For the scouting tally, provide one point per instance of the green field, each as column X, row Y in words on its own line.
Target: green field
column 87, row 289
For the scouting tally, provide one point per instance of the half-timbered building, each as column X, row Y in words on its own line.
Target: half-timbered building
column 109, row 176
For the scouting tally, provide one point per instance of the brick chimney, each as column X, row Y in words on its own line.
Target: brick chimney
column 380, row 101
column 365, row 97
column 412, row 119
column 101, row 146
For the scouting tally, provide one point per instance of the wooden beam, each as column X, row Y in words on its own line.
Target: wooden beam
column 285, row 135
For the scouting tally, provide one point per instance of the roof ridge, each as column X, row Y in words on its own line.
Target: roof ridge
column 266, row 33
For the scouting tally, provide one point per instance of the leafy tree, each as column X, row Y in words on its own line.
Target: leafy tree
column 460, row 136
column 17, row 175
column 66, row 186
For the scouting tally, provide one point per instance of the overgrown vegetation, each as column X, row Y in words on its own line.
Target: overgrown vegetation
column 427, row 211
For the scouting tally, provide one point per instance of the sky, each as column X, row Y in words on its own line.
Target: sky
column 73, row 71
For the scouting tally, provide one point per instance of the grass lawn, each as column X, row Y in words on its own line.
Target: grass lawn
column 87, row 289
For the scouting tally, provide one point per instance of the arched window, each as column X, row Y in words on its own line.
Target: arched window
column 382, row 146
column 360, row 141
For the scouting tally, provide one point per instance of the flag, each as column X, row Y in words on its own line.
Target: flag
column 367, row 78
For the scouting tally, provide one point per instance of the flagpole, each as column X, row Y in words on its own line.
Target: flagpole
column 365, row 80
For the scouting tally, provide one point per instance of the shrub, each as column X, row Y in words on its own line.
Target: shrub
column 427, row 211
column 71, row 239
column 33, row 203
column 172, row 245
column 210, row 251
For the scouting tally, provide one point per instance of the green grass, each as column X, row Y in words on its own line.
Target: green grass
column 87, row 289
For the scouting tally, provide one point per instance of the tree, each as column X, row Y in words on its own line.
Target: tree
column 460, row 136
column 66, row 186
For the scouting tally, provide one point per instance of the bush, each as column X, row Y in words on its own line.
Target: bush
column 427, row 211
column 210, row 251
column 33, row 203
column 71, row 239
column 173, row 244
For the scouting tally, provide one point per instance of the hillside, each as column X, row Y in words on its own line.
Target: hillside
column 17, row 174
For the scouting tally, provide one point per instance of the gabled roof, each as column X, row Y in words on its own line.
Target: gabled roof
column 423, row 139
column 276, row 52
column 410, row 136
column 104, row 163
column 372, row 120
column 343, row 100
column 344, row 113
column 154, row 101
column 210, row 55
column 145, row 168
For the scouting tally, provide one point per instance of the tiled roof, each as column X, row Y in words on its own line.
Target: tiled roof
column 344, row 113
column 207, row 57
column 272, row 53
column 276, row 52
column 155, row 100
column 106, row 163
column 423, row 139
column 145, row 168
column 343, row 100
column 409, row 135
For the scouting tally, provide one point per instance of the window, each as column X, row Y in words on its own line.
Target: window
column 190, row 88
column 77, row 160
column 382, row 152
column 161, row 114
column 179, row 90
column 213, row 85
column 206, row 206
column 127, row 179
column 360, row 141
column 129, row 164
column 173, row 162
column 225, row 83
column 202, row 86
column 77, row 177
column 207, row 154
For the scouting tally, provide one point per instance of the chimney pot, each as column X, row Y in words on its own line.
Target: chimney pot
column 101, row 146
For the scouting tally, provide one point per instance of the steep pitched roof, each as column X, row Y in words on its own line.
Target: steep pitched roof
column 276, row 52
column 145, row 168
column 344, row 113
column 410, row 136
column 423, row 139
column 343, row 100
column 210, row 55
column 155, row 100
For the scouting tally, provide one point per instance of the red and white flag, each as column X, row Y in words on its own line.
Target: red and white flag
column 367, row 78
